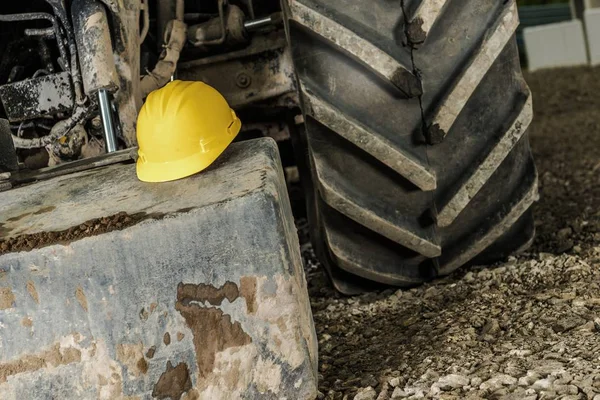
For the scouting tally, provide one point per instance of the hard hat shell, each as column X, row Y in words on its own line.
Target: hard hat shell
column 181, row 130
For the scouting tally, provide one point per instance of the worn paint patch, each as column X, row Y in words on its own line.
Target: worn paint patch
column 92, row 371
column 7, row 298
column 213, row 331
column 33, row 291
column 269, row 378
column 232, row 374
column 18, row 217
column 27, row 322
column 173, row 383
column 131, row 356
column 52, row 357
column 180, row 336
column 191, row 395
column 80, row 296
column 44, row 210
column 205, row 292
column 287, row 323
column 101, row 371
column 248, row 292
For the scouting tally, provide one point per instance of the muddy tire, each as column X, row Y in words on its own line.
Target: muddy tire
column 415, row 153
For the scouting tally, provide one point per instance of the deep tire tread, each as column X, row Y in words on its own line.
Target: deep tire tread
column 388, row 206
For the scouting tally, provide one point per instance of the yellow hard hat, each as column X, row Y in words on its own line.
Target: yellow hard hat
column 181, row 130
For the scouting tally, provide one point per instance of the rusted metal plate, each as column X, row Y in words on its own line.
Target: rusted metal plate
column 37, row 97
column 202, row 298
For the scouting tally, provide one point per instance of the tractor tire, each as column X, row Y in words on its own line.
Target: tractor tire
column 415, row 152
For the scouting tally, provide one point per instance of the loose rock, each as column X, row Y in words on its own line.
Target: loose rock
column 367, row 393
column 452, row 381
column 497, row 382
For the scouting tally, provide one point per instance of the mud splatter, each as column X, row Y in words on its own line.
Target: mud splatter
column 86, row 229
column 173, row 383
column 203, row 292
column 142, row 365
column 248, row 292
column 213, row 331
column 54, row 357
column 44, row 210
column 27, row 322
column 18, row 217
column 130, row 355
column 435, row 134
column 191, row 395
column 180, row 336
column 33, row 292
column 167, row 339
column 408, row 83
column 7, row 298
column 80, row 296
column 150, row 352
column 416, row 34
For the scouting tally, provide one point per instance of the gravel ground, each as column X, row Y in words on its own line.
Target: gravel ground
column 528, row 328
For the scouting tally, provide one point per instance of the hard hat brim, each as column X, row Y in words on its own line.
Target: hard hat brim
column 177, row 169
column 174, row 170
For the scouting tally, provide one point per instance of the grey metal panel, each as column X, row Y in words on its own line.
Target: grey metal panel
column 36, row 97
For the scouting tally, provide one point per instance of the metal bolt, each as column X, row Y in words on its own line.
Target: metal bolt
column 243, row 80
column 110, row 134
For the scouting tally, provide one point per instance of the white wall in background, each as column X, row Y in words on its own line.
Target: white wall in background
column 555, row 45
column 577, row 6
column 592, row 3
column 592, row 28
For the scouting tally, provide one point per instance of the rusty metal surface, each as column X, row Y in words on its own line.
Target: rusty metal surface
column 262, row 71
column 206, row 301
column 37, row 97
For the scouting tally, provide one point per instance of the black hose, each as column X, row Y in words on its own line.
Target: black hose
column 61, row 12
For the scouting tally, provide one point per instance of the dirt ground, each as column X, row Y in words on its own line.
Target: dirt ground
column 528, row 328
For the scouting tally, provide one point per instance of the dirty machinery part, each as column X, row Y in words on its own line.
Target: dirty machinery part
column 71, row 84
column 68, row 79
column 416, row 115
